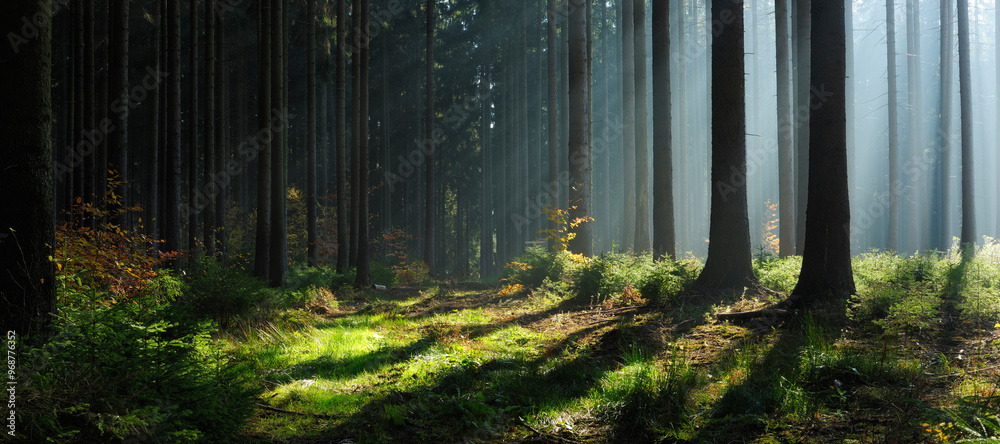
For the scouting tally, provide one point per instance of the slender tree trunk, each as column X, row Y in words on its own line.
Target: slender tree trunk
column 172, row 228
column 93, row 189
column 663, row 177
column 628, row 121
column 849, row 100
column 728, row 265
column 363, row 278
column 642, row 217
column 890, row 21
column 826, row 259
column 429, row 140
column 683, row 181
column 312, row 254
column 357, row 43
column 152, row 185
column 27, row 285
column 211, row 193
column 786, row 189
column 341, row 136
column 947, row 55
column 579, row 131
column 265, row 114
column 193, row 127
column 914, row 124
column 968, row 235
column 278, row 268
column 221, row 180
column 803, row 98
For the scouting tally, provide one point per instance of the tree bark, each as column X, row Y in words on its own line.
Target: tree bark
column 27, row 285
column 826, row 259
column 628, row 122
column 642, row 213
column 341, row 136
column 312, row 254
column 663, row 177
column 552, row 113
column 119, row 109
column 363, row 277
column 193, row 127
column 892, row 242
column 802, row 98
column 429, row 140
column 278, row 268
column 968, row 235
column 172, row 227
column 914, row 124
column 210, row 112
column 221, row 149
column 265, row 114
column 786, row 185
column 947, row 54
column 728, row 266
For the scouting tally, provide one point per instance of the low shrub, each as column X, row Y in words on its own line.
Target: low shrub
column 536, row 265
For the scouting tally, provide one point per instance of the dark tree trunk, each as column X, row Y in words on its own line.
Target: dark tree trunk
column 27, row 284
column 341, row 137
column 968, row 235
column 193, row 128
column 579, row 132
column 221, row 179
column 151, row 185
column 728, row 265
column 172, row 226
column 642, row 231
column 211, row 193
column 786, row 181
column 628, row 122
column 663, row 177
column 917, row 226
column 363, row 278
column 802, row 99
column 892, row 242
column 278, row 269
column 312, row 254
column 849, row 100
column 429, row 140
column 943, row 235
column 265, row 114
column 356, row 41
column 826, row 258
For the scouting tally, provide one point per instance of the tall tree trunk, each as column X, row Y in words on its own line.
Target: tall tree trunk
column 312, row 254
column 579, row 131
column 152, row 184
column 211, row 193
column 363, row 277
column 265, row 114
column 221, row 179
column 485, row 153
column 914, row 124
column 728, row 265
column 172, row 227
column 946, row 61
column 802, row 98
column 683, row 181
column 27, row 285
column 119, row 109
column 968, row 235
column 278, row 268
column 429, row 140
column 357, row 43
column 341, row 136
column 628, row 121
column 786, row 181
column 826, row 259
column 892, row 242
column 193, row 126
column 553, row 116
column 849, row 100
column 996, row 71
column 642, row 216
column 663, row 177
column 93, row 189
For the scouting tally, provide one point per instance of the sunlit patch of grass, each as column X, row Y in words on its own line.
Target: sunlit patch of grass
column 779, row 274
column 972, row 386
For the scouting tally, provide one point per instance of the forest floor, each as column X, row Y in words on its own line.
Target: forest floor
column 466, row 362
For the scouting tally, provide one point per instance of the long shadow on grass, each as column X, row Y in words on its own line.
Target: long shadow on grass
column 488, row 400
column 328, row 367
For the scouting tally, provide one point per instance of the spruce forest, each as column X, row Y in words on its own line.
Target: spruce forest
column 498, row 221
